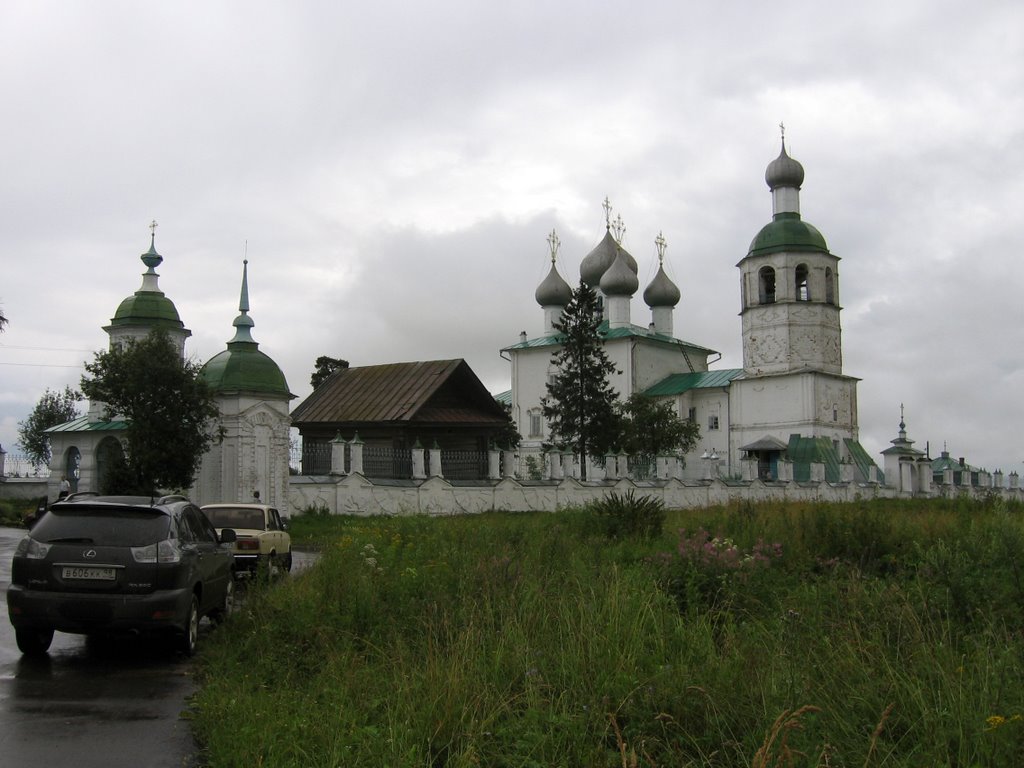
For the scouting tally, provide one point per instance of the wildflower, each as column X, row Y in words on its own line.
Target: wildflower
column 994, row 721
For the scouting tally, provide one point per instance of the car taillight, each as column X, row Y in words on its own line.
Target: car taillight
column 166, row 551
column 32, row 549
column 247, row 544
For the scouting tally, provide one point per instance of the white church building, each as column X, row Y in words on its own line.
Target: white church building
column 790, row 399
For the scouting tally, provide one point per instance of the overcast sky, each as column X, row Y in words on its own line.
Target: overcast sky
column 395, row 167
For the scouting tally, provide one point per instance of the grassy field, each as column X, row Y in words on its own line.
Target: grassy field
column 873, row 634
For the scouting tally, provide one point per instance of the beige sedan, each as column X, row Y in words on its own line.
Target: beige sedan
column 262, row 540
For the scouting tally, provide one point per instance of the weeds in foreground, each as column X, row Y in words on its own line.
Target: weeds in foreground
column 535, row 640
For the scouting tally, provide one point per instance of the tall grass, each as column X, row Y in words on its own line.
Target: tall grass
column 877, row 634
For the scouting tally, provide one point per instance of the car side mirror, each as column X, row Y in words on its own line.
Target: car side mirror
column 228, row 536
column 284, row 523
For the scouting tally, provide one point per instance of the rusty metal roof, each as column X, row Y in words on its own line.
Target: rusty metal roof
column 435, row 391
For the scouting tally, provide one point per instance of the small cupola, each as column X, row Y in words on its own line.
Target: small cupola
column 618, row 284
column 597, row 262
column 242, row 369
column 148, row 308
column 661, row 295
column 553, row 294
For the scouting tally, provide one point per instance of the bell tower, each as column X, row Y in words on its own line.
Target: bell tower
column 789, row 287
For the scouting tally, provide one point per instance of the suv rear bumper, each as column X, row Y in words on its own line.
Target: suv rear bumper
column 82, row 613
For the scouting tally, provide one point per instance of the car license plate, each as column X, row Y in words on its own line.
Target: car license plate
column 97, row 574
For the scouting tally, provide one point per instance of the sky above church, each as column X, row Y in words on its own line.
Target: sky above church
column 392, row 170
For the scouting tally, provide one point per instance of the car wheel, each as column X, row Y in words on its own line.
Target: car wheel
column 228, row 606
column 190, row 630
column 287, row 562
column 33, row 642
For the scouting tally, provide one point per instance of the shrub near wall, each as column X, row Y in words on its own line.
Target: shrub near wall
column 744, row 635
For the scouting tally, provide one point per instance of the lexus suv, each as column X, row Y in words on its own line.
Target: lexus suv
column 113, row 564
column 263, row 543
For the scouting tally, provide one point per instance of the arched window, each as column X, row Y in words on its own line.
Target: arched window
column 803, row 292
column 766, row 285
column 830, row 287
column 72, row 467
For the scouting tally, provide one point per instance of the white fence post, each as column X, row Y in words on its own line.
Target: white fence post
column 356, row 447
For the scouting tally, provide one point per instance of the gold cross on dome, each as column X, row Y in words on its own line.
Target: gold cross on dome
column 553, row 243
column 152, row 227
column 607, row 205
column 619, row 227
column 782, row 129
column 661, row 244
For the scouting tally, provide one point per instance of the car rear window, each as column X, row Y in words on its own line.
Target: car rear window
column 103, row 527
column 235, row 517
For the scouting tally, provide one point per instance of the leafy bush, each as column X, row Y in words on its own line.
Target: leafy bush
column 625, row 515
column 14, row 512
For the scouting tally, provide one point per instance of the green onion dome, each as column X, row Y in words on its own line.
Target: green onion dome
column 148, row 306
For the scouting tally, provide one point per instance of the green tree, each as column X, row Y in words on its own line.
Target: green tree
column 652, row 428
column 509, row 436
column 3, row 321
column 580, row 402
column 168, row 407
column 52, row 409
column 324, row 367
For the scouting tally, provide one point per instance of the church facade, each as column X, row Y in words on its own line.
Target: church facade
column 790, row 400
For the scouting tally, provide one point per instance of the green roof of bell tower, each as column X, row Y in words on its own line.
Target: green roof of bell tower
column 787, row 232
column 149, row 307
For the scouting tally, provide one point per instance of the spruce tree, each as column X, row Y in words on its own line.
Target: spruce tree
column 580, row 406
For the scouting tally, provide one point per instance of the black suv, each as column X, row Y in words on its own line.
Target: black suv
column 111, row 564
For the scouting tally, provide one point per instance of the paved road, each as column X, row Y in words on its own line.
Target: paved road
column 105, row 705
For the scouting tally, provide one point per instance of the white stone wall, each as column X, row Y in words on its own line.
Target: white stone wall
column 356, row 495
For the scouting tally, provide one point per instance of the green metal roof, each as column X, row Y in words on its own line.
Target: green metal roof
column 787, row 232
column 623, row 332
column 243, row 368
column 82, row 424
column 149, row 308
column 862, row 459
column 803, row 451
column 505, row 398
column 678, row 383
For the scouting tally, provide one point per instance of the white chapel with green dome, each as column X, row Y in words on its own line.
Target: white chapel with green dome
column 251, row 394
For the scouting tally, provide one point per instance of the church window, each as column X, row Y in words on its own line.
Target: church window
column 712, row 422
column 766, row 285
column 830, row 287
column 536, row 425
column 835, row 412
column 803, row 293
column 692, row 416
